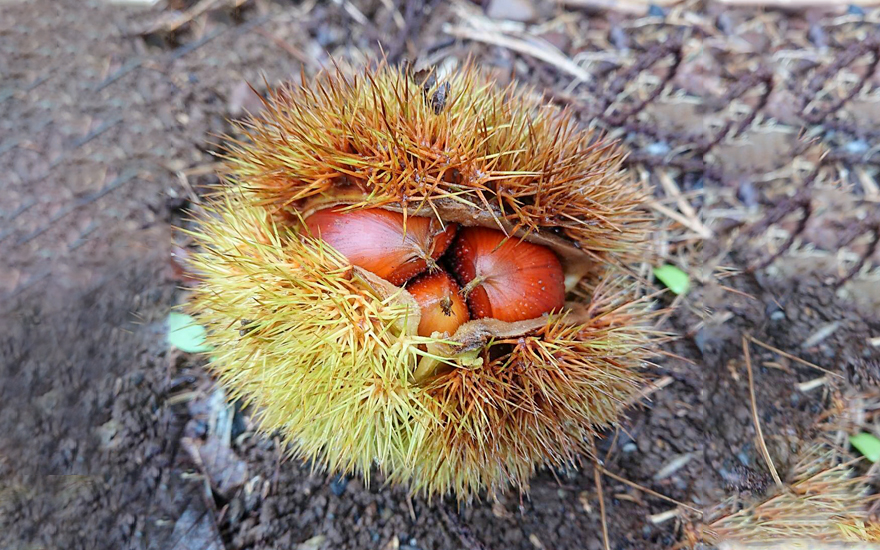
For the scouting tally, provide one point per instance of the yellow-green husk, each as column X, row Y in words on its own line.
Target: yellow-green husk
column 327, row 353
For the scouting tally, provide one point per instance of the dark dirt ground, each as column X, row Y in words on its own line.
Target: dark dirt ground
column 112, row 440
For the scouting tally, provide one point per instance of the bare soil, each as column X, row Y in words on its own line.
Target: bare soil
column 108, row 118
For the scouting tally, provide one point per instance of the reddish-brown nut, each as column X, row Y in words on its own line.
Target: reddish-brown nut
column 439, row 298
column 376, row 240
column 505, row 278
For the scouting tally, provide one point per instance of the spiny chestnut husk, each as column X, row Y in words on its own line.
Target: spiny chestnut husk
column 330, row 353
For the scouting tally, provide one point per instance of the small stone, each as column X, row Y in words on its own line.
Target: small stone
column 724, row 23
column 225, row 469
column 312, row 544
column 853, row 9
column 235, row 511
column 338, row 485
column 658, row 148
column 656, row 11
column 512, row 10
column 817, row 36
column 747, row 193
column 856, row 147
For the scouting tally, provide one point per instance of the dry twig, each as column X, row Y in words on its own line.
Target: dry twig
column 694, row 224
column 597, row 474
column 792, row 357
column 635, row 485
column 632, row 7
column 548, row 55
column 761, row 443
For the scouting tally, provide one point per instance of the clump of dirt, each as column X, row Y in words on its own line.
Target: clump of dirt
column 91, row 449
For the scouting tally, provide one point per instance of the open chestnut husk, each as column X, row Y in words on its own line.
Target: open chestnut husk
column 334, row 358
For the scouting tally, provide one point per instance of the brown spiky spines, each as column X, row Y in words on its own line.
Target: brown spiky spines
column 539, row 403
column 328, row 360
column 825, row 502
column 495, row 151
column 329, row 355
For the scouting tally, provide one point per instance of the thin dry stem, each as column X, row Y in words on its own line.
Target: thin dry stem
column 693, row 224
column 761, row 444
column 548, row 54
column 792, row 357
column 597, row 475
column 635, row 485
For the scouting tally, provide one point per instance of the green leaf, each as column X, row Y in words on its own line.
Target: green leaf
column 675, row 279
column 867, row 444
column 185, row 334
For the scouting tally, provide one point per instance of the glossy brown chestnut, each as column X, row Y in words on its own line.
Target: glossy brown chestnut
column 375, row 239
column 505, row 278
column 439, row 298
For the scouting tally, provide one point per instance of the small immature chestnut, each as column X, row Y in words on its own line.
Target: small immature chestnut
column 439, row 298
column 376, row 240
column 506, row 278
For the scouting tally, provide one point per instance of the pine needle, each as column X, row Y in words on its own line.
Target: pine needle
column 597, row 474
column 644, row 489
column 761, row 444
column 793, row 357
